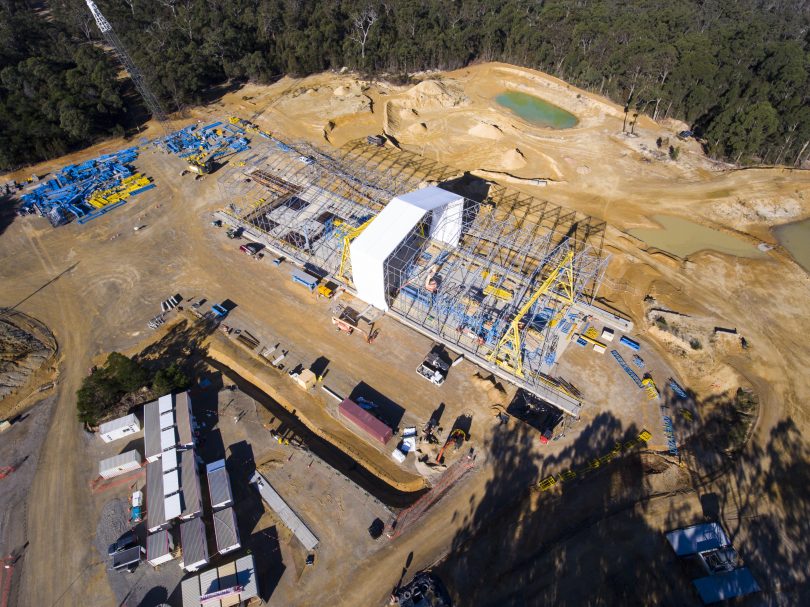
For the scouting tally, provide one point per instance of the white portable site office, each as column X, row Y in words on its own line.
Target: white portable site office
column 119, row 428
column 119, row 464
column 151, row 431
column 155, row 500
column 190, row 486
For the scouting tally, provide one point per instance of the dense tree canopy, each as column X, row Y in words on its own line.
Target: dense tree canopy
column 737, row 71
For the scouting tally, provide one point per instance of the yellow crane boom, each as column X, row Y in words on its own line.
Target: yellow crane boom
column 348, row 237
column 508, row 351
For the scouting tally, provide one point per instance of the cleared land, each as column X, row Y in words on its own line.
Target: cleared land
column 499, row 534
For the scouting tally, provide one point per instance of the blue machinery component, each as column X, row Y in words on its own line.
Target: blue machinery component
column 68, row 193
column 627, row 368
column 676, row 388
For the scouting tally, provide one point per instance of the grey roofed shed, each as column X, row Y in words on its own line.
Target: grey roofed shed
column 697, row 538
column 209, row 581
column 155, row 512
column 226, row 530
column 151, row 431
column 219, row 485
column 194, row 543
column 190, row 485
column 182, row 417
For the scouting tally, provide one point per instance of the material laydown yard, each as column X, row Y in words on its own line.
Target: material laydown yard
column 504, row 543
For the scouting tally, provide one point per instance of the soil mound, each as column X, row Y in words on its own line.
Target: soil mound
column 486, row 131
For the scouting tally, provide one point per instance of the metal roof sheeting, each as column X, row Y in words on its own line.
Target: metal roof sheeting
column 226, row 530
column 209, row 582
column 697, row 538
column 190, row 588
column 182, row 417
column 158, row 545
column 194, row 543
column 155, row 511
column 190, row 484
column 290, row 518
column 227, row 579
column 246, row 577
column 151, row 430
column 219, row 486
column 726, row 585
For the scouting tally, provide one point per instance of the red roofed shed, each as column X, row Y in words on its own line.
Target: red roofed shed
column 365, row 421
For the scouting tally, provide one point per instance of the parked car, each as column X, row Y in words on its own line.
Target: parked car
column 128, row 540
column 251, row 248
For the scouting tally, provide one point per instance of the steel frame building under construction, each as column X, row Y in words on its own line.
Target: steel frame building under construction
column 508, row 289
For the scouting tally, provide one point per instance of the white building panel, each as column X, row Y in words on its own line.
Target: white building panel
column 169, row 460
column 172, row 506
column 171, row 482
column 166, row 420
column 392, row 225
column 168, row 438
column 165, row 403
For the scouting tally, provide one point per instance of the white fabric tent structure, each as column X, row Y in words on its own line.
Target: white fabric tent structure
column 391, row 227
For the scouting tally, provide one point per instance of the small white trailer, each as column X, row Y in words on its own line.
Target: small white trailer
column 119, row 428
column 119, row 464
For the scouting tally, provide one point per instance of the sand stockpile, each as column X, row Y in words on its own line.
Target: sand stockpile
column 433, row 95
column 512, row 159
column 486, row 131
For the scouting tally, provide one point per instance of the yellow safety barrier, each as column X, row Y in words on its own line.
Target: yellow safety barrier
column 503, row 294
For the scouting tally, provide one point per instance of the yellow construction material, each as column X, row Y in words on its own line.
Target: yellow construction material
column 102, row 198
column 649, row 388
column 508, row 351
column 503, row 294
column 591, row 333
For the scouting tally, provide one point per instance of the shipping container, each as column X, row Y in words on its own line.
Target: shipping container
column 119, row 464
column 119, row 428
column 304, row 279
column 634, row 345
column 365, row 421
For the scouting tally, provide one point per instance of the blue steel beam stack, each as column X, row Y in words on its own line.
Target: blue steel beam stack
column 68, row 192
column 194, row 139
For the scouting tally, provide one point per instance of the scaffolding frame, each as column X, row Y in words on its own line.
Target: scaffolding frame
column 306, row 203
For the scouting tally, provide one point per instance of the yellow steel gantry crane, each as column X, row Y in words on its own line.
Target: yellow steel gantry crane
column 348, row 237
column 508, row 353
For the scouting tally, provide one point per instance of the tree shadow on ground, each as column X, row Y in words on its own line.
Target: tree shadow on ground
column 584, row 541
column 269, row 563
column 8, row 211
column 183, row 345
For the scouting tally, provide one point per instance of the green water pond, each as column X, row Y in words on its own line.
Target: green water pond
column 536, row 110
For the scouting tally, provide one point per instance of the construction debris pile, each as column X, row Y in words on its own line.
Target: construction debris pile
column 86, row 191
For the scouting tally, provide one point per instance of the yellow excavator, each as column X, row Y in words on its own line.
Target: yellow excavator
column 203, row 163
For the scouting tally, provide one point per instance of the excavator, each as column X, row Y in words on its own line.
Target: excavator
column 203, row 163
column 457, row 438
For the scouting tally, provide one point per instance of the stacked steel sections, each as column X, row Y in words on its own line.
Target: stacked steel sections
column 87, row 190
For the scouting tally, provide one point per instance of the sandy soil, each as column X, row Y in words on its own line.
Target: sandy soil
column 102, row 304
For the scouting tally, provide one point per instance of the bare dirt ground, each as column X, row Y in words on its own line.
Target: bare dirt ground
column 506, row 544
